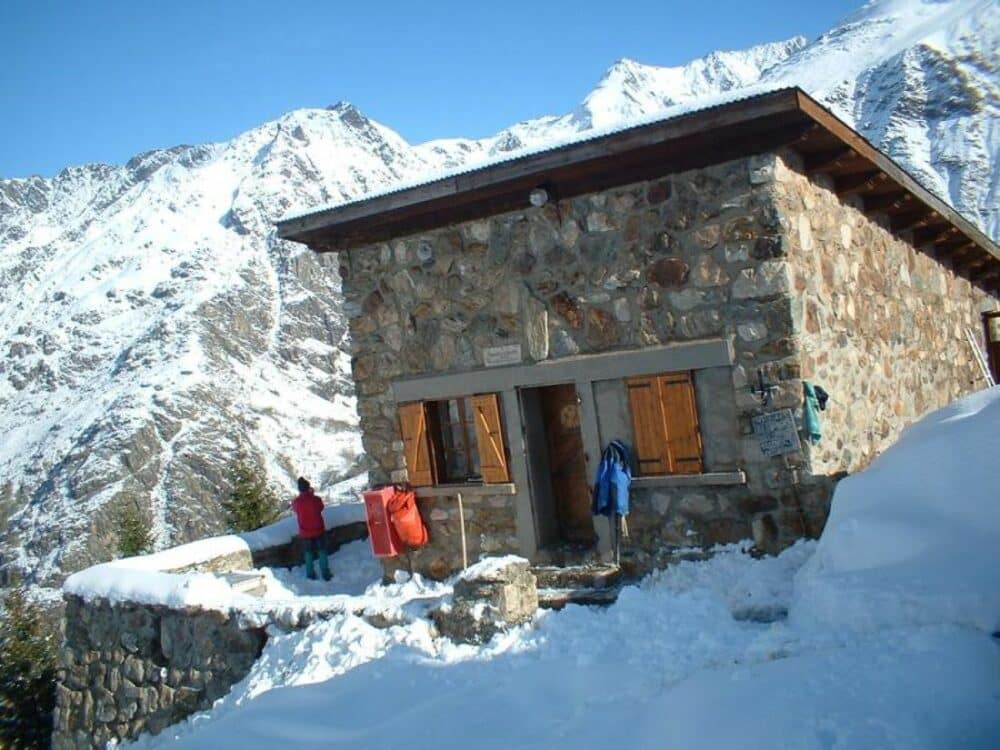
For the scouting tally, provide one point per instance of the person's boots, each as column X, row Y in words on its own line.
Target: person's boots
column 324, row 565
column 310, row 571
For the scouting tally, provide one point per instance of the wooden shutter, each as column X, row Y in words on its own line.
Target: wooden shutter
column 649, row 431
column 489, row 436
column 680, row 412
column 416, row 445
column 665, row 426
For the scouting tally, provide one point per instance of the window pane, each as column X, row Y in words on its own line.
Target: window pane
column 455, row 435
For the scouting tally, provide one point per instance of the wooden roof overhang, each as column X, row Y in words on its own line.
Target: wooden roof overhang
column 787, row 118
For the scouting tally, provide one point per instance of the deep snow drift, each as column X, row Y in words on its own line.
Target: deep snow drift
column 686, row 659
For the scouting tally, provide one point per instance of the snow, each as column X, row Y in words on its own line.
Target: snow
column 487, row 567
column 697, row 655
column 118, row 583
column 914, row 537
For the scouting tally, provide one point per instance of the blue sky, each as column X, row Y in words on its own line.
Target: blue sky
column 102, row 81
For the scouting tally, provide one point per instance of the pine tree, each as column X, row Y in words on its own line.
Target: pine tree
column 134, row 529
column 27, row 674
column 251, row 502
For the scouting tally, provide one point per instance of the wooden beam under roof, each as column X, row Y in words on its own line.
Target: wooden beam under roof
column 918, row 218
column 860, row 183
column 962, row 252
column 977, row 260
column 856, row 141
column 594, row 175
column 888, row 202
column 827, row 161
column 934, row 234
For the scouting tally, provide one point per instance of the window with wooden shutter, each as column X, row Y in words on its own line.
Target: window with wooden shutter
column 416, row 444
column 489, row 436
column 666, row 432
column 456, row 440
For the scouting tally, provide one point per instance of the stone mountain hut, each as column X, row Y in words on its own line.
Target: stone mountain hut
column 673, row 285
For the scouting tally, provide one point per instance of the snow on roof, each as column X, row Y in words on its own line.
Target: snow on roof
column 663, row 115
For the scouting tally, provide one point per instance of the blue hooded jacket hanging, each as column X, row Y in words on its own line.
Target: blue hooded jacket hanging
column 614, row 478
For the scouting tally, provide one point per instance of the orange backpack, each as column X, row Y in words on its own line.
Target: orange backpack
column 406, row 520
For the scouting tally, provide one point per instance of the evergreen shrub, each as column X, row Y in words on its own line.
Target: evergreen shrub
column 27, row 673
column 251, row 502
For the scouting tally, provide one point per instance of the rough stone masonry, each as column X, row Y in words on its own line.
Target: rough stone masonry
column 803, row 284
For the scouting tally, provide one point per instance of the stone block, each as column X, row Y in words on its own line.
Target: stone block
column 490, row 596
column 668, row 272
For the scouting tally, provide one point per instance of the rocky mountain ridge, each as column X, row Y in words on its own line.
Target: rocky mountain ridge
column 151, row 322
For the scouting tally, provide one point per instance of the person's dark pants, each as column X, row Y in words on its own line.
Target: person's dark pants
column 315, row 548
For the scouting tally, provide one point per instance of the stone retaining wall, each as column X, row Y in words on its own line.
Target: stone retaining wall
column 126, row 667
column 289, row 555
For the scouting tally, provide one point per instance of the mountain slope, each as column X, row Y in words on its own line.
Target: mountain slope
column 150, row 321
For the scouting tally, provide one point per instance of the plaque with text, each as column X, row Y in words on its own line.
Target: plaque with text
column 496, row 356
column 777, row 433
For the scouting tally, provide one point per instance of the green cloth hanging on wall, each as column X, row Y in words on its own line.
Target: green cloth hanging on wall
column 810, row 412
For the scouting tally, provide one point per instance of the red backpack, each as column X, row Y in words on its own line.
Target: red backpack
column 406, row 520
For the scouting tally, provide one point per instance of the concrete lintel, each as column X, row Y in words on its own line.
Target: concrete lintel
column 709, row 479
column 692, row 355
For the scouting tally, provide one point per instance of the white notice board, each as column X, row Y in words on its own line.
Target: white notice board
column 776, row 433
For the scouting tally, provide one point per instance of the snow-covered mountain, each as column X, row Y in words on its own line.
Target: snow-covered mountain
column 150, row 321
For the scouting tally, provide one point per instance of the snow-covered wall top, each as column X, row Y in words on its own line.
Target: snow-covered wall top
column 160, row 578
column 150, row 321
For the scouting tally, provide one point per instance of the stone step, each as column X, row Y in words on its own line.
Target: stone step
column 592, row 576
column 245, row 582
column 549, row 598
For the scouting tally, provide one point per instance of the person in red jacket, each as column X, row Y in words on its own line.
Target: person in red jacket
column 308, row 507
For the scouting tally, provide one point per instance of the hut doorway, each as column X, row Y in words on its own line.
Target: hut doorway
column 557, row 466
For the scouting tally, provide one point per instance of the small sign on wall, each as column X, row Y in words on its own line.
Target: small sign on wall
column 496, row 356
column 776, row 433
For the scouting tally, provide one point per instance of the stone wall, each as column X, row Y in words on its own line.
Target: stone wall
column 127, row 668
column 879, row 324
column 291, row 554
column 490, row 530
column 692, row 256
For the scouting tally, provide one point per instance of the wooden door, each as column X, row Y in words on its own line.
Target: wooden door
column 567, row 464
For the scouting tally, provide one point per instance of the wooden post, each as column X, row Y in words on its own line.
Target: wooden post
column 991, row 335
column 461, row 525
